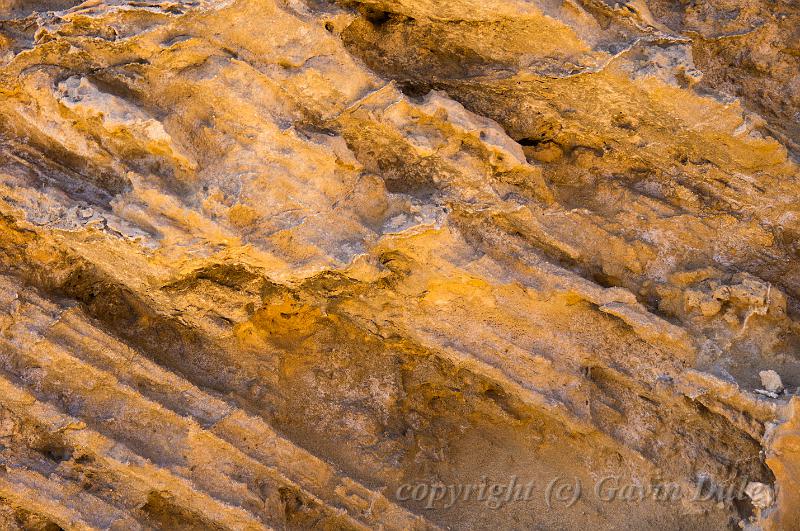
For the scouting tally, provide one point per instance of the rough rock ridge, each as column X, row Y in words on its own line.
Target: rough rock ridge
column 275, row 263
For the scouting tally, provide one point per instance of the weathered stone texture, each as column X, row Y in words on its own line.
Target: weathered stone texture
column 264, row 262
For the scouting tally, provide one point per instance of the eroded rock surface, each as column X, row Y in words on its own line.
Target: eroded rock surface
column 264, row 264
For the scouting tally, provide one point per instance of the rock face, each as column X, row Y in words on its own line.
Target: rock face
column 301, row 263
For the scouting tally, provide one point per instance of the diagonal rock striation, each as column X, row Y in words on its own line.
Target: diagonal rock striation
column 273, row 264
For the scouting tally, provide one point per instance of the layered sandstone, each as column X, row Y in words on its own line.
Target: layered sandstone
column 265, row 262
